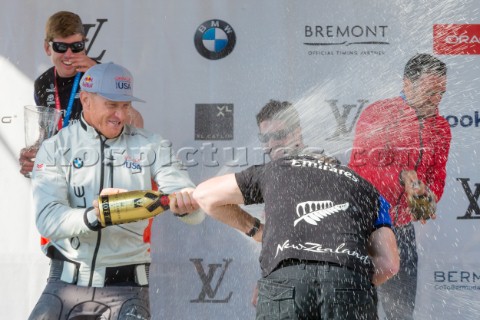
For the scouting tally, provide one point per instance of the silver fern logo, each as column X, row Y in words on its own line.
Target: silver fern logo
column 314, row 211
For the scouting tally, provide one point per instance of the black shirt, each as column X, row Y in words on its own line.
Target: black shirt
column 314, row 211
column 44, row 92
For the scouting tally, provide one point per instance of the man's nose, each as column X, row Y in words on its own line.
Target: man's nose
column 69, row 52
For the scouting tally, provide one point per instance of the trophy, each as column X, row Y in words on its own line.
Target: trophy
column 40, row 123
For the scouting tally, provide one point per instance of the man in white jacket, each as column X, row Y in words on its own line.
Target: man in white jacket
column 95, row 271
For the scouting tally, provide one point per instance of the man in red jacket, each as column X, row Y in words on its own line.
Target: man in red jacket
column 401, row 146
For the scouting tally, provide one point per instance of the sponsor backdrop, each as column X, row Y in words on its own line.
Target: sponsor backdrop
column 205, row 68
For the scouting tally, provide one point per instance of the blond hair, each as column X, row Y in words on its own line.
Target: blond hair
column 64, row 24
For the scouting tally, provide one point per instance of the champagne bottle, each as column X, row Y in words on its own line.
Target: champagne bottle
column 131, row 206
column 422, row 206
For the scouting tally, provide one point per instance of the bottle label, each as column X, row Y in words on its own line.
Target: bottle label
column 105, row 216
column 131, row 206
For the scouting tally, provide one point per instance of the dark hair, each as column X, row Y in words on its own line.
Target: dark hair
column 279, row 110
column 63, row 24
column 424, row 63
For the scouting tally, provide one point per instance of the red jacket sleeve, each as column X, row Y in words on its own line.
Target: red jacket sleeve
column 435, row 178
column 372, row 154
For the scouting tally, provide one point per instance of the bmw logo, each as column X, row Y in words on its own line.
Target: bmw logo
column 215, row 39
column 77, row 163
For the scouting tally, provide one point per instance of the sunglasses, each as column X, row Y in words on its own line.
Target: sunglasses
column 277, row 135
column 62, row 47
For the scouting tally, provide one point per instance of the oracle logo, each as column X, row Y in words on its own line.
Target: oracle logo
column 461, row 39
column 456, row 39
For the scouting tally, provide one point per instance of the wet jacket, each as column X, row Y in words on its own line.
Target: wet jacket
column 389, row 138
column 72, row 168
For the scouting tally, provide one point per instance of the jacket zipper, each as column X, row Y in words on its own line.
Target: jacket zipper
column 99, row 234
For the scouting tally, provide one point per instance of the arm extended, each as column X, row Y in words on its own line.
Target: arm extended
column 219, row 197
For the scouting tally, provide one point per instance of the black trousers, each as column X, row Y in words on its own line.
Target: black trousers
column 316, row 291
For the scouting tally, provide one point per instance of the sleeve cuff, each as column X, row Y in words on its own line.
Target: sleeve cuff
column 90, row 219
column 378, row 226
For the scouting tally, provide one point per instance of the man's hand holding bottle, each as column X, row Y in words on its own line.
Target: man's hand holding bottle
column 116, row 206
column 422, row 202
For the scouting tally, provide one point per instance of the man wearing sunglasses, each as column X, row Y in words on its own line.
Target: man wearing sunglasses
column 326, row 241
column 65, row 44
column 280, row 131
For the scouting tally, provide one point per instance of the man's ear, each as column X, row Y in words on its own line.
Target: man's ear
column 85, row 99
column 407, row 86
column 48, row 49
column 298, row 134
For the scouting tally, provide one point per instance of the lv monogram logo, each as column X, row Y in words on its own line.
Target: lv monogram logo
column 207, row 290
column 87, row 28
column 341, row 117
column 472, row 199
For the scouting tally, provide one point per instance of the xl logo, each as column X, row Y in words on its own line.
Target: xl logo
column 341, row 118
column 472, row 199
column 223, row 109
column 87, row 28
column 207, row 279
